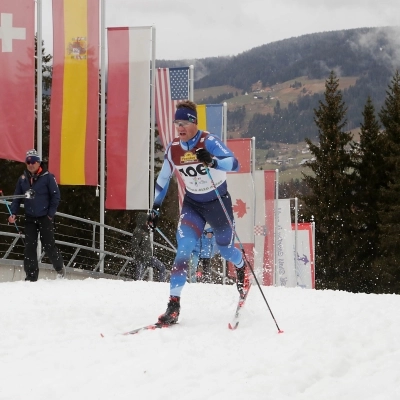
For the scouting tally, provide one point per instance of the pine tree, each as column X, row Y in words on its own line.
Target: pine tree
column 369, row 178
column 330, row 184
column 389, row 208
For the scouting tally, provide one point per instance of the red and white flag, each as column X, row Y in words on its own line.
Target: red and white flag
column 285, row 254
column 17, row 78
column 128, row 118
column 241, row 189
column 264, row 258
column 305, row 268
column 172, row 86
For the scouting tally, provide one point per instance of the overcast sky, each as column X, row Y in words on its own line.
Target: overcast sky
column 186, row 30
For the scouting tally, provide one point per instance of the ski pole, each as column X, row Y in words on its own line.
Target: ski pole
column 165, row 238
column 240, row 244
column 9, row 210
column 29, row 194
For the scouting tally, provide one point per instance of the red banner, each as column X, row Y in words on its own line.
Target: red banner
column 17, row 78
column 269, row 240
column 128, row 118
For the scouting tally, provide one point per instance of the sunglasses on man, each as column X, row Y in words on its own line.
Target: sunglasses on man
column 182, row 123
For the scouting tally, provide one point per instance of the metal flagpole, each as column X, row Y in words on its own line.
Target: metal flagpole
column 152, row 129
column 191, row 82
column 296, row 203
column 253, row 177
column 39, row 98
column 153, row 113
column 225, row 121
column 39, row 79
column 276, row 272
column 102, row 127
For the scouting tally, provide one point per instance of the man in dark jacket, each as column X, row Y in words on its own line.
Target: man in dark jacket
column 39, row 214
column 141, row 249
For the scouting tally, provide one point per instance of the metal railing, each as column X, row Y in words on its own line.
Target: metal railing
column 78, row 240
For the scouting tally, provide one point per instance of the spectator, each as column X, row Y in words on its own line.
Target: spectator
column 205, row 249
column 39, row 214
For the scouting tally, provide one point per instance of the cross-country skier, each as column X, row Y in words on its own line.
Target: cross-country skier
column 189, row 154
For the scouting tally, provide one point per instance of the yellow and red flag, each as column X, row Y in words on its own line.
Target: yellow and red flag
column 74, row 113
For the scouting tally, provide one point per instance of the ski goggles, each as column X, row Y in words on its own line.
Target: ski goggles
column 182, row 123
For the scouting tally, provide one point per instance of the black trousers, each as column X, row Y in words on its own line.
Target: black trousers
column 43, row 226
column 206, row 267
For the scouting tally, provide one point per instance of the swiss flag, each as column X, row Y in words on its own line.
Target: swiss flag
column 17, row 78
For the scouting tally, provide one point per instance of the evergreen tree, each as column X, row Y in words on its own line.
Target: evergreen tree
column 389, row 208
column 330, row 185
column 369, row 177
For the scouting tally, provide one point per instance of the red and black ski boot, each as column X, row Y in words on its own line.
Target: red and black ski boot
column 171, row 315
column 242, row 280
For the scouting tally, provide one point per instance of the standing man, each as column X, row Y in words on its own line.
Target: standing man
column 191, row 153
column 39, row 214
column 205, row 249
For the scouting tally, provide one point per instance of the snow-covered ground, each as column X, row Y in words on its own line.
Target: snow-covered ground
column 335, row 345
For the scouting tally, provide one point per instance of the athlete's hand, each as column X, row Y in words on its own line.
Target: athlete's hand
column 205, row 157
column 152, row 218
column 12, row 218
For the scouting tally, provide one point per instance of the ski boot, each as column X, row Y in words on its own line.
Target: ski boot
column 61, row 273
column 171, row 315
column 242, row 280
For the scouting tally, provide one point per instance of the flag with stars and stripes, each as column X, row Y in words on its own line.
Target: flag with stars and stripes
column 172, row 86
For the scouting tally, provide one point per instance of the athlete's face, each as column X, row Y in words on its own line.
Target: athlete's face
column 186, row 130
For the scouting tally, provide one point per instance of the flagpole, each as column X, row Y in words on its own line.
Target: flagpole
column 253, row 176
column 225, row 120
column 39, row 79
column 191, row 82
column 102, row 128
column 276, row 272
column 152, row 113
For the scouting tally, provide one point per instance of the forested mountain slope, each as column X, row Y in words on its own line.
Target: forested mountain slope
column 370, row 55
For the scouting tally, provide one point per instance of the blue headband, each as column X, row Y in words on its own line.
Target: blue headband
column 185, row 114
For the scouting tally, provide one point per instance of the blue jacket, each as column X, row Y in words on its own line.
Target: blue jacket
column 47, row 194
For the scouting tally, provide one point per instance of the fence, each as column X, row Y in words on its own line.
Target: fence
column 78, row 240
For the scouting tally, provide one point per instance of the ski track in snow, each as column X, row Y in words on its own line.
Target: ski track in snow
column 335, row 345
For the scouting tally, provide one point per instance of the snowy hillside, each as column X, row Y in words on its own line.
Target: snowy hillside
column 335, row 345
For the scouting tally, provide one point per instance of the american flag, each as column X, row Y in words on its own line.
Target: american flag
column 172, row 86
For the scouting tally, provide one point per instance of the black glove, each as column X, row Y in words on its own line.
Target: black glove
column 152, row 218
column 205, row 157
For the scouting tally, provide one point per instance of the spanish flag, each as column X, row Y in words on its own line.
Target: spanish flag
column 74, row 112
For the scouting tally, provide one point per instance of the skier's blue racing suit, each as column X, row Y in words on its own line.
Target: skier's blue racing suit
column 200, row 203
